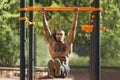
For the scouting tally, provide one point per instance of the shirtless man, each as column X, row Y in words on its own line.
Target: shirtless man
column 59, row 50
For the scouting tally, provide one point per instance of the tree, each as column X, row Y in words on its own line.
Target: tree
column 9, row 39
column 110, row 44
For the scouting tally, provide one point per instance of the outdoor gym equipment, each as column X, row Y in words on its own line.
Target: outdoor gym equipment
column 95, row 36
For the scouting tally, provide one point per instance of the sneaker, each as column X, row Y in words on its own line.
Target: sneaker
column 58, row 67
column 50, row 68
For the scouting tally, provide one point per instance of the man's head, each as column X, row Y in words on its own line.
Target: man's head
column 60, row 35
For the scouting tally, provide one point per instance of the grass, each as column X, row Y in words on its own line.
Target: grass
column 43, row 55
column 76, row 60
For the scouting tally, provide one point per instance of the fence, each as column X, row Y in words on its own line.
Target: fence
column 8, row 72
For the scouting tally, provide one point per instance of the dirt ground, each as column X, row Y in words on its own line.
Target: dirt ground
column 81, row 75
column 85, row 75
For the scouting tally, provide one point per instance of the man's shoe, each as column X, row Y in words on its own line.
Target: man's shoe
column 58, row 68
column 50, row 68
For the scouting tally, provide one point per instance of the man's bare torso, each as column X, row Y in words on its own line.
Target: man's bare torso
column 60, row 50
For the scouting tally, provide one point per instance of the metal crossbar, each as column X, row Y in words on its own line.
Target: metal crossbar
column 33, row 8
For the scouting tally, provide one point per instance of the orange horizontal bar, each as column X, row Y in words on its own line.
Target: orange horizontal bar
column 22, row 9
column 90, row 28
column 102, row 28
column 30, row 23
column 22, row 18
column 87, row 28
column 33, row 8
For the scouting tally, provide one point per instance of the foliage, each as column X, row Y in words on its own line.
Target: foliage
column 76, row 60
column 110, row 38
column 42, row 52
column 9, row 30
column 9, row 39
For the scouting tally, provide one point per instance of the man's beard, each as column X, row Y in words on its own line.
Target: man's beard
column 59, row 41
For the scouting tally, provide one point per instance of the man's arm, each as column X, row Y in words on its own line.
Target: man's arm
column 73, row 28
column 48, row 34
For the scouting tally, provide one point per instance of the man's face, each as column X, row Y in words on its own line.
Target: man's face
column 60, row 35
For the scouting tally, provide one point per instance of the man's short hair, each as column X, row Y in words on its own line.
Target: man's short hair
column 60, row 31
column 54, row 34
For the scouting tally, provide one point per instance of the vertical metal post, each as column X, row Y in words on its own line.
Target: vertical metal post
column 31, row 43
column 35, row 40
column 22, row 40
column 95, row 44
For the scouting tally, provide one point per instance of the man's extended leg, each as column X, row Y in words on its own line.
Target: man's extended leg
column 58, row 68
column 50, row 68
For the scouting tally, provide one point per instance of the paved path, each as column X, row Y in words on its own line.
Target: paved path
column 81, row 75
column 74, row 75
column 9, row 78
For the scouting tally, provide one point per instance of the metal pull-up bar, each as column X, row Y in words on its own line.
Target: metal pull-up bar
column 33, row 8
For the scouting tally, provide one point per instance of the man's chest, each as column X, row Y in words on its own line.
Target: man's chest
column 59, row 47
